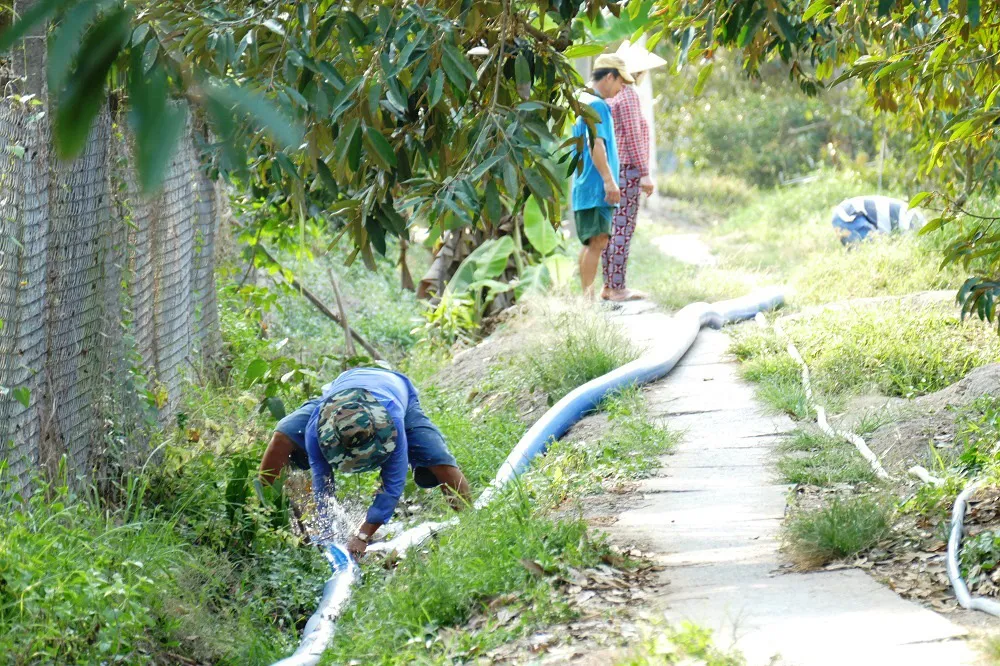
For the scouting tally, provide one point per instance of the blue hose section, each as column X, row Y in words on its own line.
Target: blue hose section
column 550, row 427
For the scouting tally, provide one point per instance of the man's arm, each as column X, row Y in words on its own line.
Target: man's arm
column 393, row 482
column 600, row 156
column 276, row 458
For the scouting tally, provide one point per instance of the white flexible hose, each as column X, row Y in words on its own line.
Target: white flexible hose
column 824, row 425
column 965, row 599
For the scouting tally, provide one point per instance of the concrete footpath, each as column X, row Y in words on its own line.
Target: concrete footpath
column 713, row 515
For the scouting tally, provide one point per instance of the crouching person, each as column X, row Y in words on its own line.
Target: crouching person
column 366, row 419
column 854, row 219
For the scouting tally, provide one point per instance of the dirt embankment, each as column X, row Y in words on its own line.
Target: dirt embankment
column 928, row 422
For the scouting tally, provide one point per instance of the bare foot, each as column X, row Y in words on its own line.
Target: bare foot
column 619, row 295
column 606, row 294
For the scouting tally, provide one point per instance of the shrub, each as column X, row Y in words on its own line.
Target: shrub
column 843, row 528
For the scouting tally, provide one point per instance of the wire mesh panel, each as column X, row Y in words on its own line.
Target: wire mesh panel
column 23, row 233
column 173, row 251
column 204, row 305
column 80, row 220
column 105, row 295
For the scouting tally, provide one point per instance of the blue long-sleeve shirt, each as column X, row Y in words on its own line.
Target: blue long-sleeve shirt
column 394, row 391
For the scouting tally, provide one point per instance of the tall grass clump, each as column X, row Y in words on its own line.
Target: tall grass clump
column 714, row 192
column 84, row 583
column 818, row 460
column 843, row 528
column 577, row 349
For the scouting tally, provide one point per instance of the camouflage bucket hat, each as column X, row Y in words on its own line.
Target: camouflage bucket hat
column 355, row 432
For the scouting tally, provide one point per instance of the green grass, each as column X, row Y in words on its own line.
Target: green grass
column 842, row 528
column 686, row 644
column 716, row 193
column 900, row 349
column 673, row 284
column 399, row 618
column 577, row 350
column 815, row 459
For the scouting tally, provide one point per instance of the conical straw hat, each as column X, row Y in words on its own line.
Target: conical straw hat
column 638, row 59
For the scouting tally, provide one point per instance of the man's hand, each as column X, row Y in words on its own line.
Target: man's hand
column 356, row 547
column 611, row 192
column 647, row 186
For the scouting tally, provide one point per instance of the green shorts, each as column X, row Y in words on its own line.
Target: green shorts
column 592, row 222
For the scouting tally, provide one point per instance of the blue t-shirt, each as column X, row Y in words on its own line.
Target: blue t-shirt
column 394, row 391
column 588, row 185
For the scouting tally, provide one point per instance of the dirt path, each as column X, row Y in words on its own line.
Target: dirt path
column 712, row 517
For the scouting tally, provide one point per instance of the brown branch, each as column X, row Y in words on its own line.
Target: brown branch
column 311, row 297
column 351, row 351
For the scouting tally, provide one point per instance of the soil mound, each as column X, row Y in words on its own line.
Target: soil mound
column 929, row 421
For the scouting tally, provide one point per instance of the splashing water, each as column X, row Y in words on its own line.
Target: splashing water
column 333, row 522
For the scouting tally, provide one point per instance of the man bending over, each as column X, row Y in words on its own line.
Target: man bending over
column 366, row 419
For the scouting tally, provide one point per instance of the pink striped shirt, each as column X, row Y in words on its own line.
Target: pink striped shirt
column 631, row 130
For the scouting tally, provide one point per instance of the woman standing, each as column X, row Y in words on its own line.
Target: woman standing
column 632, row 137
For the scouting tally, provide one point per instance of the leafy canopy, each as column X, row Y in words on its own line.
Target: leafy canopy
column 365, row 113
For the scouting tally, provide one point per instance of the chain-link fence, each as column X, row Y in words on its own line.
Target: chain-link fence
column 106, row 297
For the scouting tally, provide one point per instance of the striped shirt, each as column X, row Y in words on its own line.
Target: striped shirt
column 884, row 214
column 631, row 130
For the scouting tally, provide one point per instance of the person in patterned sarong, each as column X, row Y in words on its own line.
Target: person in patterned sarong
column 632, row 138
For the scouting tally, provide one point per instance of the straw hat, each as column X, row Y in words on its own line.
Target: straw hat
column 609, row 61
column 638, row 59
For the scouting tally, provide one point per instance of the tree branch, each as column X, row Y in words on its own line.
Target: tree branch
column 311, row 297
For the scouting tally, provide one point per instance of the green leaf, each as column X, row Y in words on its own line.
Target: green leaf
column 380, row 148
column 326, row 176
column 488, row 261
column 583, row 51
column 522, row 72
column 932, row 226
column 340, row 102
column 703, row 77
column 535, row 279
column 257, row 369
column 354, row 150
column 460, row 62
column 149, row 54
column 435, row 88
column 157, row 122
column 453, row 72
column 65, row 42
column 538, row 184
column 23, row 395
column 749, row 30
column 37, row 13
column 283, row 129
column 488, row 164
column 814, row 8
column 494, row 207
column 972, row 11
column 275, row 405
column 885, row 6
column 538, row 229
column 919, row 198
column 84, row 95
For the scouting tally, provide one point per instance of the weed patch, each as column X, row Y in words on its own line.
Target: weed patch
column 578, row 350
column 818, row 460
column 686, row 644
column 840, row 529
column 397, row 619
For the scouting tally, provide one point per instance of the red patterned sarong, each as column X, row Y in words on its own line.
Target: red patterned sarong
column 615, row 254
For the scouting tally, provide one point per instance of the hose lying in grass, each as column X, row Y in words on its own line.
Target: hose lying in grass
column 965, row 599
column 553, row 424
column 824, row 425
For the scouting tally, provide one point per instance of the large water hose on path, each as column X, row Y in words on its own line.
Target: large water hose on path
column 649, row 367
